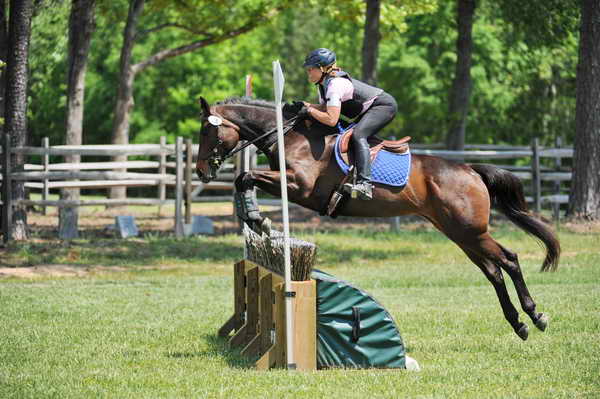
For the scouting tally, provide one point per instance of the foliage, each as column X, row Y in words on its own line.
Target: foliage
column 522, row 89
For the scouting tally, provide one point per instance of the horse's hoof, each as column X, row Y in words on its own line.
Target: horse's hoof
column 523, row 332
column 542, row 322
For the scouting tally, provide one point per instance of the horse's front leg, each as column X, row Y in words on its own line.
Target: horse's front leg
column 268, row 181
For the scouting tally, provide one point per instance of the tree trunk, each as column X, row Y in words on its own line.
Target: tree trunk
column 584, row 202
column 120, row 134
column 81, row 26
column 461, row 85
column 16, row 101
column 371, row 39
column 3, row 53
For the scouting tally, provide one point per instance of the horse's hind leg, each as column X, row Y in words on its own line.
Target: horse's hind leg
column 494, row 275
column 490, row 256
column 510, row 263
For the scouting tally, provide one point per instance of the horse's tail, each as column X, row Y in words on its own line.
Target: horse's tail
column 506, row 194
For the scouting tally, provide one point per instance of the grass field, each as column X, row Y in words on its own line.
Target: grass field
column 139, row 319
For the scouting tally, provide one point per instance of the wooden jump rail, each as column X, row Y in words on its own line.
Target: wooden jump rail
column 259, row 318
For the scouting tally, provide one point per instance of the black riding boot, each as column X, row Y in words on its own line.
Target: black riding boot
column 362, row 162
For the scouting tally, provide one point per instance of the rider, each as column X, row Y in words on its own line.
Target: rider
column 369, row 106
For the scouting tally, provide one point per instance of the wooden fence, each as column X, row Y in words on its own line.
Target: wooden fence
column 177, row 172
column 542, row 169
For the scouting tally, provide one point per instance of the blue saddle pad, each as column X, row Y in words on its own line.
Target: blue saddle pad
column 387, row 167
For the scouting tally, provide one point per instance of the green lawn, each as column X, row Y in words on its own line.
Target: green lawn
column 148, row 327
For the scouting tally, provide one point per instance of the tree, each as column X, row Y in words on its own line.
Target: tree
column 460, row 92
column 206, row 24
column 81, row 26
column 3, row 54
column 19, row 31
column 371, row 38
column 377, row 15
column 584, row 202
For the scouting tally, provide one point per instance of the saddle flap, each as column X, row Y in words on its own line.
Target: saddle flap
column 376, row 144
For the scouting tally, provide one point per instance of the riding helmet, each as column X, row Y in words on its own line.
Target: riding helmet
column 320, row 57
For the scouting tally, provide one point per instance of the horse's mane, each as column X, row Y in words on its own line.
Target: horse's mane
column 247, row 101
column 271, row 105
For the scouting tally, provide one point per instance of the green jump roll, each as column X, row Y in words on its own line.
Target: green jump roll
column 353, row 329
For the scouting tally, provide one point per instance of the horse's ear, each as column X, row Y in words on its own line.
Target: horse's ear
column 204, row 107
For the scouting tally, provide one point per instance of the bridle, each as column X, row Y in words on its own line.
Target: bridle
column 217, row 159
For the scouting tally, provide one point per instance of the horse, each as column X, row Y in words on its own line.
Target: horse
column 455, row 197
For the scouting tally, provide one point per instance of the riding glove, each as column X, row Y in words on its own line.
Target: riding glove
column 294, row 108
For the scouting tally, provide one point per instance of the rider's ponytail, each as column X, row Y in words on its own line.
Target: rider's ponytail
column 330, row 68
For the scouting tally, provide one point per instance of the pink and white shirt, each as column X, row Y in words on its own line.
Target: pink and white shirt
column 340, row 90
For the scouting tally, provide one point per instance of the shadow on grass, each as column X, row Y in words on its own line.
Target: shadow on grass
column 217, row 348
column 117, row 252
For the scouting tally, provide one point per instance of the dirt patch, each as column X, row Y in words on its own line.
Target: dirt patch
column 581, row 227
column 43, row 271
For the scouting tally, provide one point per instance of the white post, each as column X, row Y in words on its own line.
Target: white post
column 178, row 186
column 289, row 322
column 245, row 164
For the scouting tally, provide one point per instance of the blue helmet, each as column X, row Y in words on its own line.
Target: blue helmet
column 320, row 57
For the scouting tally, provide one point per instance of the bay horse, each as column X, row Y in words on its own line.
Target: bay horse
column 456, row 198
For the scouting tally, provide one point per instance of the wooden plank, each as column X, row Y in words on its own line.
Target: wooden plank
column 178, row 187
column 305, row 324
column 95, row 165
column 252, row 307
column 279, row 316
column 102, row 184
column 188, row 181
column 241, row 337
column 535, row 173
column 556, row 198
column 557, row 166
column 557, row 153
column 162, row 169
column 266, row 313
column 98, row 150
column 70, row 175
column 556, row 176
column 474, row 155
column 113, row 202
column 35, row 185
column 213, row 185
column 46, row 164
column 220, row 198
column 236, row 321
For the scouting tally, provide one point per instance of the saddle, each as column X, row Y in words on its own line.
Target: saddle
column 376, row 144
column 394, row 159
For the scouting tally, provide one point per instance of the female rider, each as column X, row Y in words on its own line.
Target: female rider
column 370, row 107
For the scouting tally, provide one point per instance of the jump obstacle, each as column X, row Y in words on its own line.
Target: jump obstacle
column 336, row 325
column 304, row 325
column 259, row 317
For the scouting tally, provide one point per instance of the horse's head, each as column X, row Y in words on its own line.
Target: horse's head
column 218, row 137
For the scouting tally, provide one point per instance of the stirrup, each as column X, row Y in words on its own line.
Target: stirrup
column 363, row 190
